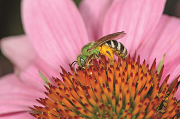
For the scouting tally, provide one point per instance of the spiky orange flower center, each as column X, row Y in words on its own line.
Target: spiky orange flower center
column 110, row 90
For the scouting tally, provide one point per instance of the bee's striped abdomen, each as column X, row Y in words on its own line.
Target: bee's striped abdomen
column 118, row 47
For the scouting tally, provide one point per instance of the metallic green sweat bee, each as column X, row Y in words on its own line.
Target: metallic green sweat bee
column 106, row 45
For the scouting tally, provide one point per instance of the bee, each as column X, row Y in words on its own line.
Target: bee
column 106, row 45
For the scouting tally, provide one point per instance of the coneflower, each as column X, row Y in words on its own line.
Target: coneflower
column 112, row 90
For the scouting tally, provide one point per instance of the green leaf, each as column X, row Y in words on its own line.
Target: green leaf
column 77, row 2
column 44, row 78
column 160, row 64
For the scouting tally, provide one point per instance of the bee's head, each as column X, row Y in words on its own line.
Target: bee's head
column 81, row 60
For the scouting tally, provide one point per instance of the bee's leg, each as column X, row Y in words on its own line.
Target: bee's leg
column 88, row 61
column 93, row 56
column 109, row 54
column 121, row 55
column 107, row 51
column 97, row 56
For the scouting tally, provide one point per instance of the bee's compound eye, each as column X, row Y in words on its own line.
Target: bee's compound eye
column 82, row 62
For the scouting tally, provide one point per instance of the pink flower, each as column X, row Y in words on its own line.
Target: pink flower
column 56, row 31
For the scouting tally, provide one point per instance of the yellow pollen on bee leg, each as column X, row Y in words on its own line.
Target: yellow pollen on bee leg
column 107, row 51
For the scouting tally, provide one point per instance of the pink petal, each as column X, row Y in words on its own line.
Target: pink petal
column 19, row 115
column 19, row 50
column 177, row 94
column 31, row 74
column 93, row 12
column 55, row 29
column 136, row 17
column 16, row 96
column 164, row 39
column 172, row 68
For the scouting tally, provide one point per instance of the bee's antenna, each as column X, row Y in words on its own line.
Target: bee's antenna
column 73, row 63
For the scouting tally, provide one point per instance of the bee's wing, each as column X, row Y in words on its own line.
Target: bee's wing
column 114, row 36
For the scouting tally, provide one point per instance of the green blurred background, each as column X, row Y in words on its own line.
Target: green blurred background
column 10, row 24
